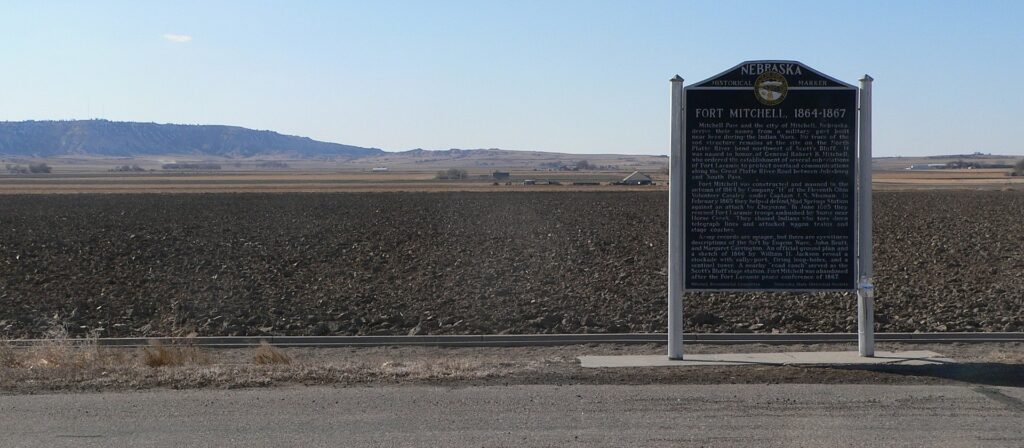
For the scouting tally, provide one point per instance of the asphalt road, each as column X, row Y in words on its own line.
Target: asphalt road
column 664, row 415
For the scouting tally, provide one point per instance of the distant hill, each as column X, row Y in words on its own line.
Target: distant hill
column 130, row 139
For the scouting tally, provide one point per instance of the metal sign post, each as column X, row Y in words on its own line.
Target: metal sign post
column 865, row 288
column 675, row 225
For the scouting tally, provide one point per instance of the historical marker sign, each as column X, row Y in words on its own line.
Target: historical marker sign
column 770, row 180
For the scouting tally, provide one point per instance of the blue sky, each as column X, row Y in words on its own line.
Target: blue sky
column 571, row 76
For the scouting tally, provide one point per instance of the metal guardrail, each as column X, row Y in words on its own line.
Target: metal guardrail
column 527, row 340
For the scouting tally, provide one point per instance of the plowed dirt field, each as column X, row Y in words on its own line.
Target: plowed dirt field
column 461, row 263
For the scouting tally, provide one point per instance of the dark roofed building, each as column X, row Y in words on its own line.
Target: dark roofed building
column 637, row 178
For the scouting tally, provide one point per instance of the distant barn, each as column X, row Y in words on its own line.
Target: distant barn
column 500, row 175
column 637, row 178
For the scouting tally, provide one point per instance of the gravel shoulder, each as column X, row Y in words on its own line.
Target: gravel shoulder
column 994, row 364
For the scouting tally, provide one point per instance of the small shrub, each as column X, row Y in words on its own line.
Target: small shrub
column 1018, row 169
column 268, row 354
column 272, row 164
column 39, row 168
column 584, row 165
column 16, row 169
column 159, row 355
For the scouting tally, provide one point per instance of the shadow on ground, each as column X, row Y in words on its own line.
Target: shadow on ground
column 981, row 373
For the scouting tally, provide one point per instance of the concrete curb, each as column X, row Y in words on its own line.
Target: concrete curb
column 534, row 340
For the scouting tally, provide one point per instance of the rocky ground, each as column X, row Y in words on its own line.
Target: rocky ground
column 461, row 263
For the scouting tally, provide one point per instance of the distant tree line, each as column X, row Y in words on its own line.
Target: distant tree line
column 580, row 165
column 452, row 174
column 1018, row 169
column 33, row 168
column 272, row 164
column 584, row 165
column 132, row 168
column 191, row 166
column 961, row 164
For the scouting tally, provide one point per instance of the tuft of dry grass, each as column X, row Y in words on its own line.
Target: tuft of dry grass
column 444, row 368
column 159, row 355
column 61, row 355
column 9, row 357
column 60, row 352
column 268, row 354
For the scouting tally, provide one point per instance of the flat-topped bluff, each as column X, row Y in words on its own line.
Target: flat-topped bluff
column 132, row 139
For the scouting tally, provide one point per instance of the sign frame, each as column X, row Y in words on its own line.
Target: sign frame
column 860, row 207
column 828, row 84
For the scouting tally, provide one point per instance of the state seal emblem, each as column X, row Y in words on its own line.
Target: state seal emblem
column 771, row 88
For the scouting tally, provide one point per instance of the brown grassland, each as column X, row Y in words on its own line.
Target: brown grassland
column 397, row 181
column 945, row 179
column 306, row 181
column 68, row 365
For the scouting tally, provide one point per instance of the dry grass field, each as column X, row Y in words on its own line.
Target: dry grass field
column 307, row 181
column 295, row 181
column 902, row 163
column 76, row 365
column 416, row 171
column 947, row 179
column 423, row 161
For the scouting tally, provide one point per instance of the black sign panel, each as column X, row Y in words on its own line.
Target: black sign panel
column 770, row 180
